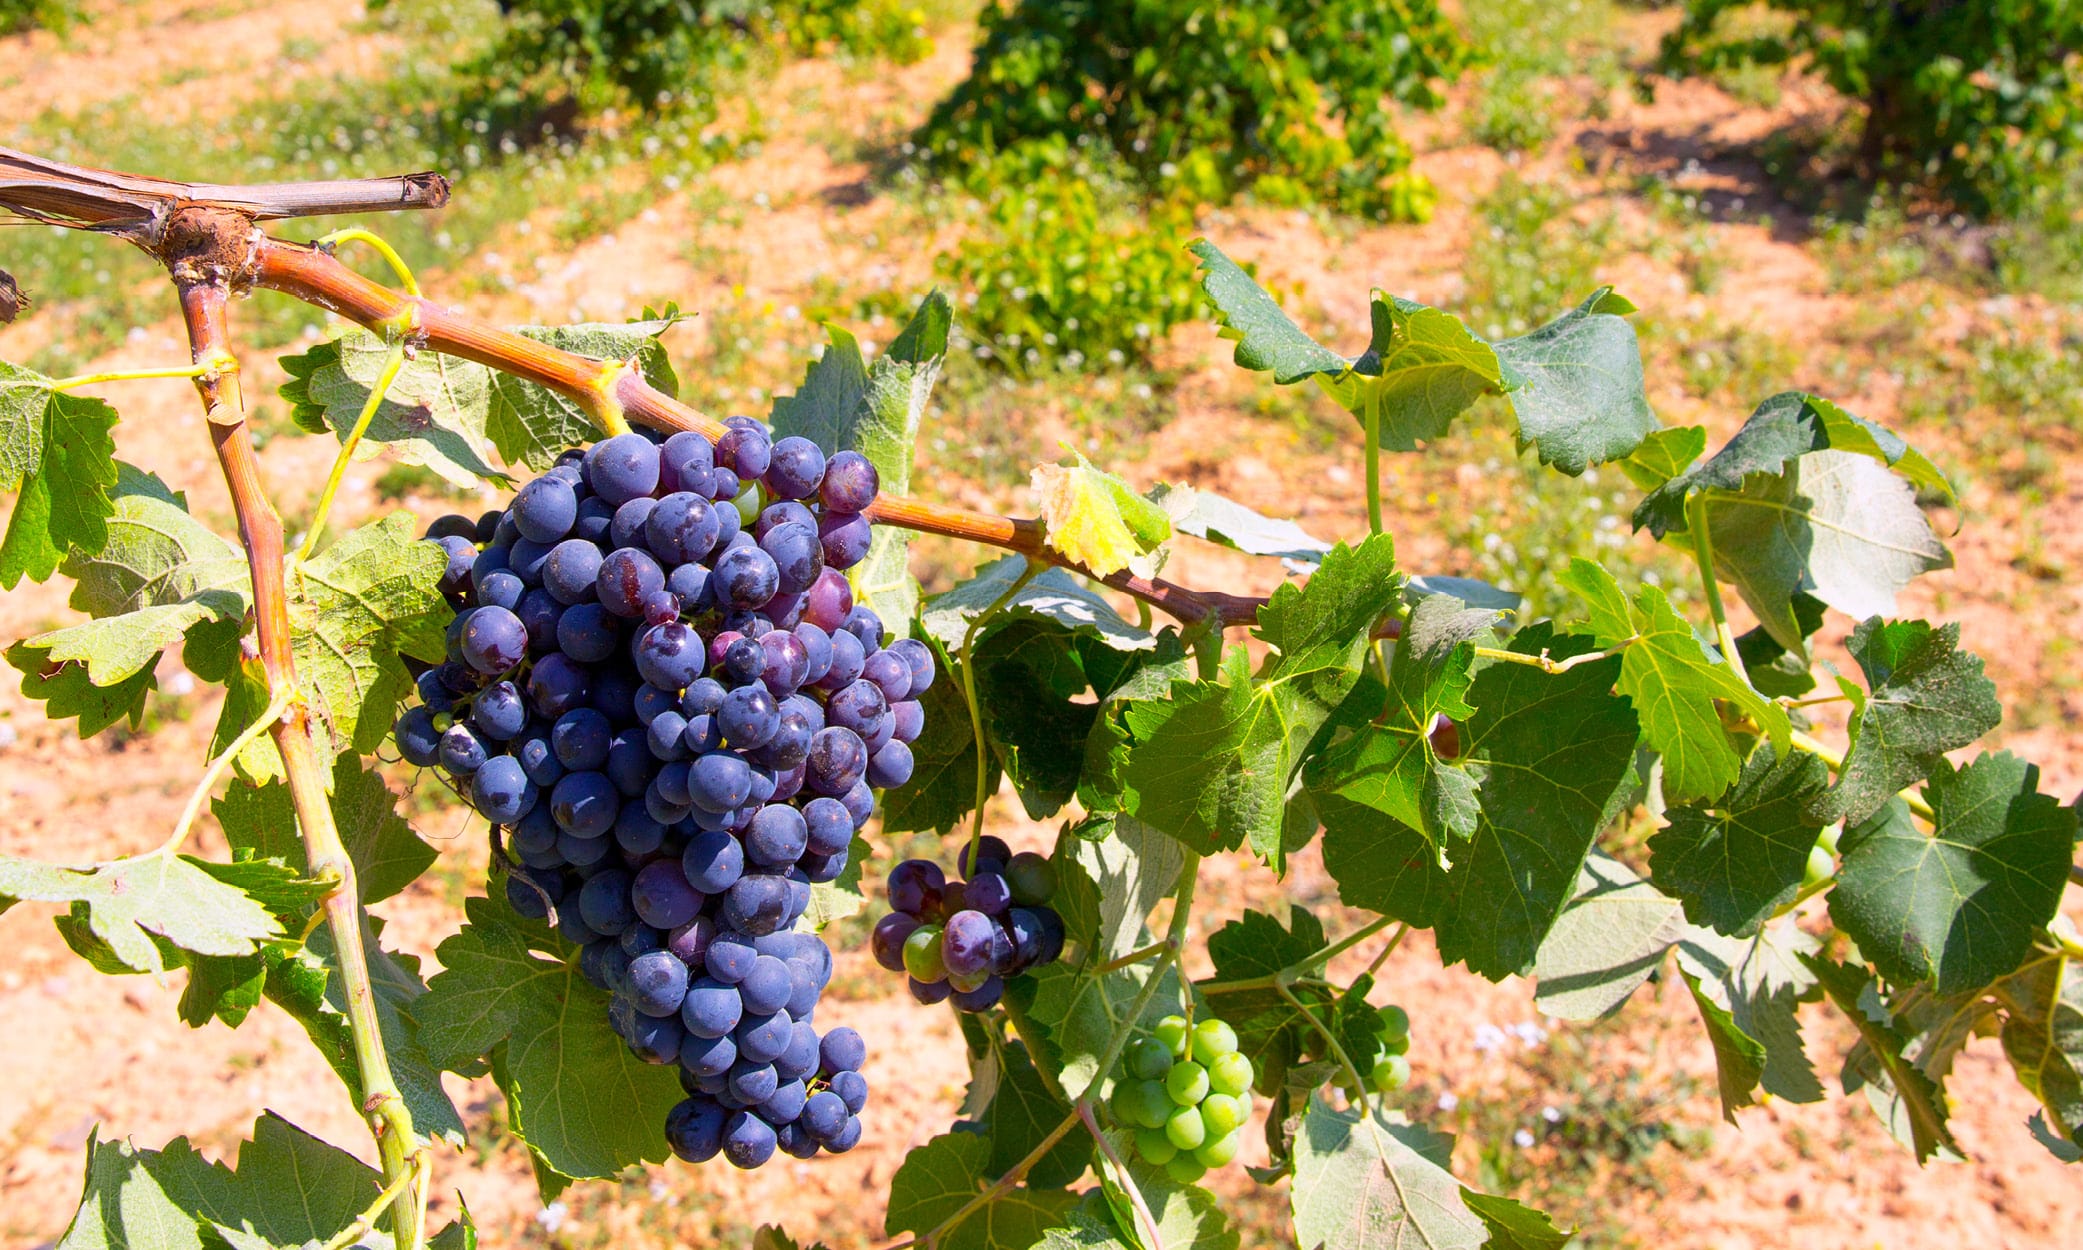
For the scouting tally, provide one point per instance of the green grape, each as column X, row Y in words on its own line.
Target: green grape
column 1156, row 1149
column 1396, row 1045
column 1230, row 1074
column 748, row 504
column 1395, row 1022
column 1212, row 1039
column 1142, row 1104
column 1171, row 1034
column 1187, row 1083
column 1217, row 1151
column 1184, row 1127
column 1222, row 1114
column 1148, row 1059
column 922, row 954
column 1391, row 1073
column 1185, row 1170
column 1821, row 865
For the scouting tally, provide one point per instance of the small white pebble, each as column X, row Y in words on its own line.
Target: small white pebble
column 1523, row 1139
column 1449, row 1100
column 1552, row 1114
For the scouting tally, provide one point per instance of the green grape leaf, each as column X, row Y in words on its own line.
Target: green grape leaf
column 353, row 609
column 1052, row 595
column 1579, row 396
column 1513, row 1225
column 1926, row 697
column 1758, row 983
column 586, row 1107
column 1422, row 368
column 1087, row 1226
column 1390, row 763
column 289, row 1190
column 56, row 453
column 939, row 1178
column 1674, row 678
column 1836, row 526
column 1774, row 671
column 199, row 906
column 66, row 691
column 1909, row 1102
column 1957, row 907
column 1212, row 764
column 532, row 425
column 1030, row 684
column 305, row 983
column 1228, row 523
column 387, row 854
column 1188, row 1216
column 1381, row 865
column 842, row 896
column 454, row 416
column 1779, row 431
column 1736, row 860
column 1362, row 1184
column 2043, row 1038
column 1739, row 1058
column 1094, row 519
column 942, row 788
column 876, row 409
column 1664, row 454
column 1021, row 1113
column 1110, row 873
column 1270, row 1030
column 1079, row 1009
column 1606, row 943
column 1267, row 339
column 434, row 413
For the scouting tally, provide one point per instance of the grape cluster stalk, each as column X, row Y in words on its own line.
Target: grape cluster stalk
column 659, row 691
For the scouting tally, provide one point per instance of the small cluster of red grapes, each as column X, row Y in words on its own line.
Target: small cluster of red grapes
column 962, row 940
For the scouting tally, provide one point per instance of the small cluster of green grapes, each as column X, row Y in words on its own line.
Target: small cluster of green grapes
column 1186, row 1092
column 1391, row 1070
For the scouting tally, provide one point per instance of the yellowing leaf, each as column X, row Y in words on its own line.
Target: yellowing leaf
column 1095, row 519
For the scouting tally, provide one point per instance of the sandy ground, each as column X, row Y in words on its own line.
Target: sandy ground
column 92, row 1050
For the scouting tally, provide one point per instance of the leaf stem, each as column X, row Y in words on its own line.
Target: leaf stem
column 128, row 375
column 1132, row 958
column 1395, row 940
column 266, row 721
column 1337, row 1048
column 1546, row 665
column 1128, row 1183
column 1292, row 973
column 976, row 711
column 1703, row 555
column 356, row 234
column 392, row 364
column 1012, row 1177
column 1372, row 426
column 366, row 1221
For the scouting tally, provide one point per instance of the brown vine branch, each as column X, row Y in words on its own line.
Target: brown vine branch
column 203, row 303
column 102, row 199
column 319, row 279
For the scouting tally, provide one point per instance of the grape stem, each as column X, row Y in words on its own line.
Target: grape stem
column 1155, row 1237
column 1546, row 665
column 1703, row 555
column 203, row 305
column 1132, row 958
column 79, row 380
column 1293, row 973
column 967, row 862
column 366, row 1221
column 393, row 362
column 261, row 725
column 1337, row 1049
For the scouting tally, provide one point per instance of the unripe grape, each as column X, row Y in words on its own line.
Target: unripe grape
column 1230, row 1074
column 1395, row 1022
column 1821, row 867
column 1141, row 1104
column 1222, row 1114
column 1391, row 1073
column 1213, row 1039
column 1171, row 1032
column 1148, row 1059
column 1187, row 1083
column 1184, row 1127
column 1156, row 1149
column 922, row 954
column 1219, row 1150
column 1185, row 1170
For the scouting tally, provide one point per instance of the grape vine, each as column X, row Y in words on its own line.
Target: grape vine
column 688, row 681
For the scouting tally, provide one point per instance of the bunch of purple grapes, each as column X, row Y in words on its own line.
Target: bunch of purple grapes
column 660, row 690
column 962, row 940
